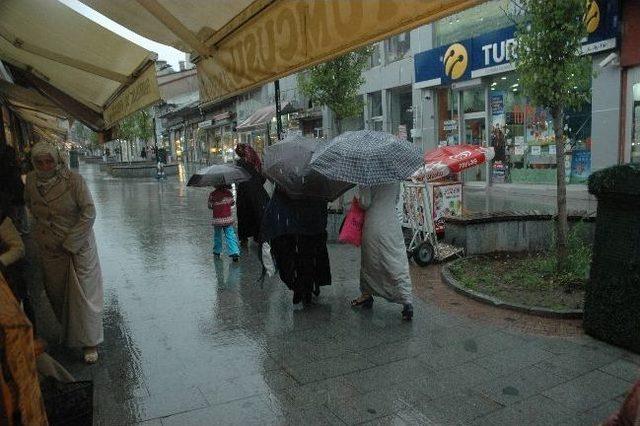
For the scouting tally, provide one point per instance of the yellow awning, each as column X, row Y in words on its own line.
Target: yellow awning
column 67, row 56
column 243, row 44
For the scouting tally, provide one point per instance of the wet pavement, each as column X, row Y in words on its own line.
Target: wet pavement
column 194, row 341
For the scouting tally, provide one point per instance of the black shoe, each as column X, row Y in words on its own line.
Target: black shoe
column 216, row 255
column 235, row 258
column 365, row 303
column 407, row 312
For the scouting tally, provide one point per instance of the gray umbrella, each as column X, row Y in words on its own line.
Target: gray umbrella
column 219, row 174
column 287, row 164
column 366, row 157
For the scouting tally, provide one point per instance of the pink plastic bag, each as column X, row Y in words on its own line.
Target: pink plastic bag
column 351, row 232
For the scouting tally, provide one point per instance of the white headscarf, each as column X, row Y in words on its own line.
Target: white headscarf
column 46, row 180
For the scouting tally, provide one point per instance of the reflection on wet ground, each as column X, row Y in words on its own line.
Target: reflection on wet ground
column 190, row 340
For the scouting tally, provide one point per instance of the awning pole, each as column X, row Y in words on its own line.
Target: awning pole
column 278, row 113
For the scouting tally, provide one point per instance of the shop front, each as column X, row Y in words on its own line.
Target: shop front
column 260, row 131
column 479, row 101
column 217, row 138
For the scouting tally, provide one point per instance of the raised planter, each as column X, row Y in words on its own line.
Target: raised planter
column 484, row 233
column 141, row 170
column 451, row 281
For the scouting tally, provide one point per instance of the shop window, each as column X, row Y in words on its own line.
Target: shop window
column 401, row 117
column 484, row 18
column 375, row 104
column 448, row 117
column 375, row 59
column 523, row 138
column 397, row 47
column 635, row 124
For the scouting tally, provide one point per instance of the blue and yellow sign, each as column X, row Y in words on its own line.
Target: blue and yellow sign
column 490, row 53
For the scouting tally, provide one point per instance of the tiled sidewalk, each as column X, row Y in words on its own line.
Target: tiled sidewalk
column 190, row 341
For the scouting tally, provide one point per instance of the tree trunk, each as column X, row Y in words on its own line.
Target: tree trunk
column 562, row 227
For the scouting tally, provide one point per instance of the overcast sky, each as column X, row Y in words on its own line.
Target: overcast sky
column 164, row 52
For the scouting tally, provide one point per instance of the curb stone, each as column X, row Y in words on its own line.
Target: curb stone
column 450, row 280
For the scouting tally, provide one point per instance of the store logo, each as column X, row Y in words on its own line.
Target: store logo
column 592, row 16
column 456, row 60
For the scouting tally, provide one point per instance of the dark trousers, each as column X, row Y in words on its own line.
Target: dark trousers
column 303, row 263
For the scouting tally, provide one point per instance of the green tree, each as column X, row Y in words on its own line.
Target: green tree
column 554, row 74
column 335, row 84
column 138, row 126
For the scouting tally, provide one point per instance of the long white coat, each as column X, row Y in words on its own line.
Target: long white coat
column 72, row 277
column 384, row 267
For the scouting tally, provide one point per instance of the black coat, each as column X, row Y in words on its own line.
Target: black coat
column 251, row 202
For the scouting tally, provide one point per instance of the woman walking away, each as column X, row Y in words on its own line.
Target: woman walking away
column 252, row 197
column 298, row 236
column 221, row 201
column 384, row 269
column 64, row 214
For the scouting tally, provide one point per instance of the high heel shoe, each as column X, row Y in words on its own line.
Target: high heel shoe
column 407, row 312
column 366, row 303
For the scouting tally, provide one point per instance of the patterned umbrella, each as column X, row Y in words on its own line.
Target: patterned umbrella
column 446, row 160
column 219, row 174
column 366, row 157
column 287, row 164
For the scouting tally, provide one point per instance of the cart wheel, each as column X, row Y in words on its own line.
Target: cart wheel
column 423, row 255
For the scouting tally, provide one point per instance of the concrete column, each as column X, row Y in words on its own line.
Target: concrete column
column 386, row 111
column 605, row 114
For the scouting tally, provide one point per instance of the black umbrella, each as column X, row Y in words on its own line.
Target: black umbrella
column 219, row 174
column 287, row 164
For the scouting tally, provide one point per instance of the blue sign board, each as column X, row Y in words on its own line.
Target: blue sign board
column 490, row 53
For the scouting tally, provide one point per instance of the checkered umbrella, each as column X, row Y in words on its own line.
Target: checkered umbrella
column 287, row 164
column 366, row 157
column 219, row 174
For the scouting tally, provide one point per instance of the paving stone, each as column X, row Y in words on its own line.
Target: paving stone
column 536, row 410
column 314, row 416
column 596, row 415
column 464, row 406
column 248, row 411
column 623, row 369
column 576, row 363
column 512, row 360
column 365, row 407
column 588, row 391
column 323, row 369
column 393, row 420
column 519, row 385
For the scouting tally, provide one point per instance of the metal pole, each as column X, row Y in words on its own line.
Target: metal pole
column 155, row 140
column 278, row 112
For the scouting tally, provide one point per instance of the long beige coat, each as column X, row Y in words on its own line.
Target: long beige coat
column 73, row 280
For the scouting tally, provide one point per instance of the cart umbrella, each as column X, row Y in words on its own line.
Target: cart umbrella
column 367, row 157
column 447, row 160
column 287, row 163
column 219, row 174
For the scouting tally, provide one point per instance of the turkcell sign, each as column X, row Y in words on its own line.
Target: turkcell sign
column 491, row 53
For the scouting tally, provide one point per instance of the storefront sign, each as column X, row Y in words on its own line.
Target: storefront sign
column 491, row 53
column 536, row 150
column 450, row 125
column 447, row 201
column 497, row 104
column 140, row 94
column 205, row 124
column 580, row 166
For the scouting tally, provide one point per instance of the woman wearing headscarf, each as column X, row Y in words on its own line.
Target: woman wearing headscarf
column 252, row 198
column 384, row 268
column 64, row 213
column 297, row 231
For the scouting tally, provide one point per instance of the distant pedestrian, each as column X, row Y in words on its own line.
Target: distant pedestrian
column 297, row 231
column 220, row 202
column 252, row 197
column 64, row 213
column 384, row 268
column 143, row 153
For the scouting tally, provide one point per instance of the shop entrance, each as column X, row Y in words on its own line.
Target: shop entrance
column 475, row 130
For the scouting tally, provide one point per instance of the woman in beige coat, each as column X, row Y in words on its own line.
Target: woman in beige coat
column 64, row 212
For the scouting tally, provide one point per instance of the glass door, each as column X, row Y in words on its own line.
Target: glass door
column 475, row 131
